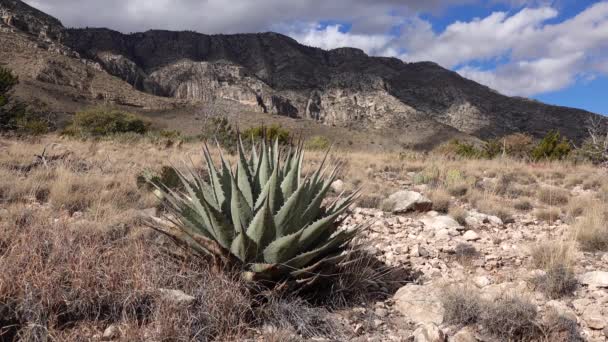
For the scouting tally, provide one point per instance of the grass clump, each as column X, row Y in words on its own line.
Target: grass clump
column 592, row 229
column 100, row 122
column 553, row 196
column 510, row 317
column 523, row 204
column 558, row 281
column 441, row 200
column 462, row 305
column 550, row 215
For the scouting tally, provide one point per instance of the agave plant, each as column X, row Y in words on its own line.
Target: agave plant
column 262, row 215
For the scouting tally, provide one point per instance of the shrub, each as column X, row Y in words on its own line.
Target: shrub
column 318, row 142
column 552, row 147
column 517, row 145
column 558, row 281
column 99, row 122
column 510, row 317
column 459, row 214
column 261, row 216
column 462, row 305
column 456, row 148
column 272, row 133
column 219, row 129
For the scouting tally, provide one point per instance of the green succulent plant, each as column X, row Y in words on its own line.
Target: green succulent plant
column 262, row 215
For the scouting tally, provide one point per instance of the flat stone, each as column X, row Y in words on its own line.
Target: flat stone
column 428, row 332
column 594, row 318
column 471, row 236
column 594, row 279
column 405, row 201
column 419, row 304
column 440, row 222
column 110, row 333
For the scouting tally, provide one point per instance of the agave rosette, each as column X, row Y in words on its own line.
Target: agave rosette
column 262, row 214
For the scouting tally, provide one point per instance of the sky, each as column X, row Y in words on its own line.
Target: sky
column 554, row 51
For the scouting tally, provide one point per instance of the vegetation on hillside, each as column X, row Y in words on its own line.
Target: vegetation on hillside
column 14, row 115
column 100, row 122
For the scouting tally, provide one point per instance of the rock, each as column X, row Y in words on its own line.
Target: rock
column 440, row 222
column 149, row 212
column 337, row 186
column 111, row 333
column 176, row 296
column 495, row 220
column 594, row 318
column 471, row 236
column 381, row 312
column 428, row 332
column 464, row 335
column 443, row 234
column 405, row 201
column 419, row 304
column 595, row 279
column 482, row 281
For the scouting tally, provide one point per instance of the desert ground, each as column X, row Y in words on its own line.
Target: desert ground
column 456, row 249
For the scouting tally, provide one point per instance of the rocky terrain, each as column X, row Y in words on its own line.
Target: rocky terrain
column 457, row 250
column 266, row 72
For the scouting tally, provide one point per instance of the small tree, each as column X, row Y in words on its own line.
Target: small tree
column 595, row 147
column 7, row 82
column 553, row 147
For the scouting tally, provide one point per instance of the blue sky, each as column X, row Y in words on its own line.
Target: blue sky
column 555, row 51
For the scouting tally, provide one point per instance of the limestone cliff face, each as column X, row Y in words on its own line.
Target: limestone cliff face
column 275, row 74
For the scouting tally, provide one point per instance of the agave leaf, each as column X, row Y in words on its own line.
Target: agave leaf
column 262, row 229
column 285, row 217
column 214, row 177
column 310, row 270
column 290, row 182
column 272, row 193
column 339, row 239
column 311, row 233
column 243, row 247
column 244, row 177
column 240, row 210
column 264, row 171
column 282, row 249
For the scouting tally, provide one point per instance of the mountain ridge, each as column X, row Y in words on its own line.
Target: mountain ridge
column 273, row 73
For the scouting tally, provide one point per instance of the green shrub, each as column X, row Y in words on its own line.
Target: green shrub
column 272, row 133
column 553, row 147
column 318, row 142
column 99, row 122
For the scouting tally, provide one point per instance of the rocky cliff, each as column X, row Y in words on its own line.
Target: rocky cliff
column 275, row 74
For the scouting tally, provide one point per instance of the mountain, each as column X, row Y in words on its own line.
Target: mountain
column 266, row 72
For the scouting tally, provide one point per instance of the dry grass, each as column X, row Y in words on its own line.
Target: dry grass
column 550, row 215
column 441, row 200
column 459, row 214
column 549, row 254
column 592, row 229
column 523, row 204
column 512, row 317
column 462, row 304
column 553, row 196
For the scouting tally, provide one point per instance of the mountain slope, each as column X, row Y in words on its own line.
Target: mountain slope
column 272, row 73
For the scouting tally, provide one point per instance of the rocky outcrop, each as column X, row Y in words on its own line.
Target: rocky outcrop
column 273, row 73
column 17, row 14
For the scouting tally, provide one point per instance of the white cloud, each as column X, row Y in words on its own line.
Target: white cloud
column 533, row 56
